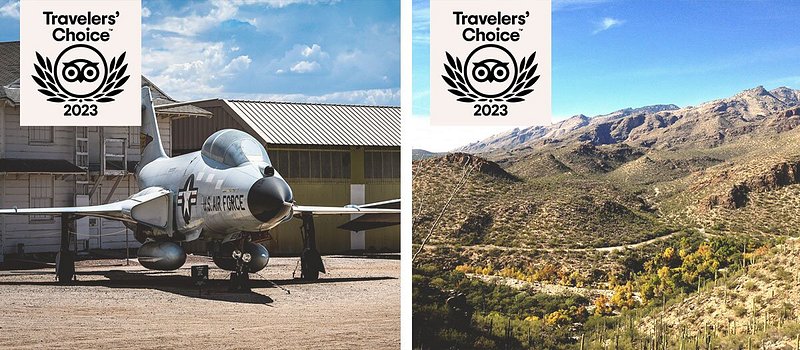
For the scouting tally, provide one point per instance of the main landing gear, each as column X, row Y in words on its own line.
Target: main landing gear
column 310, row 260
column 65, row 259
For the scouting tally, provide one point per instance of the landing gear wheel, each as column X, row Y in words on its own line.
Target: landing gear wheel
column 65, row 259
column 240, row 282
column 310, row 262
column 65, row 267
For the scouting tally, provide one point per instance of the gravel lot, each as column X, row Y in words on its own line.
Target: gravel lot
column 356, row 305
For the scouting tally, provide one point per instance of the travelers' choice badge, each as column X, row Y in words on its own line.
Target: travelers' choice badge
column 80, row 63
column 490, row 62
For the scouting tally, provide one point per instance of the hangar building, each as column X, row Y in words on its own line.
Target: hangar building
column 330, row 154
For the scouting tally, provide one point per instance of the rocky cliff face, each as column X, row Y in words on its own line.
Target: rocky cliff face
column 737, row 196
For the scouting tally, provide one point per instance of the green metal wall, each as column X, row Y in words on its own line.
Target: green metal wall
column 385, row 239
column 335, row 192
column 286, row 237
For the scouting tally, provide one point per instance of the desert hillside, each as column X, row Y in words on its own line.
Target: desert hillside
column 590, row 207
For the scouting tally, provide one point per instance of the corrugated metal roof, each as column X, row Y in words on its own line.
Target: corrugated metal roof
column 9, row 62
column 320, row 124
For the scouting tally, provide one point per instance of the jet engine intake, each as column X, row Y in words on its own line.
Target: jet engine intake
column 259, row 256
column 161, row 256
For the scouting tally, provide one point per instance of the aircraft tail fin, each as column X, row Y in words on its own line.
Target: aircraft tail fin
column 150, row 141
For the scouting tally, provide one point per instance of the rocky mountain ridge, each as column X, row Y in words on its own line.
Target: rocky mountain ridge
column 709, row 124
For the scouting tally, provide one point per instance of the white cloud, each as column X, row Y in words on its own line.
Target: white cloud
column 305, row 67
column 608, row 23
column 195, row 24
column 313, row 50
column 354, row 56
column 302, row 59
column 284, row 3
column 374, row 97
column 221, row 11
column 575, row 4
column 237, row 65
column 10, row 9
column 251, row 21
column 146, row 12
column 188, row 68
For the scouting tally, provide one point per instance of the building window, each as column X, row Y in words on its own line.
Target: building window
column 40, row 135
column 41, row 196
column 133, row 135
column 382, row 164
column 315, row 164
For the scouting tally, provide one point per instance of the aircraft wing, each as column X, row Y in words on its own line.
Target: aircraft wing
column 386, row 207
column 375, row 215
column 149, row 206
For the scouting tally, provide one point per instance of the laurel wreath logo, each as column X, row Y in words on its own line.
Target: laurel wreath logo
column 456, row 73
column 45, row 78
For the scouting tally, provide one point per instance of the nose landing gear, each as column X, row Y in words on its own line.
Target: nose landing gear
column 240, row 278
column 310, row 260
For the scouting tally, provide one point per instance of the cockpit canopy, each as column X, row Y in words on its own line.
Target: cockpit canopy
column 234, row 148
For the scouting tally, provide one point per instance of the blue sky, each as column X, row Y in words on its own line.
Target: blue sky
column 336, row 51
column 609, row 55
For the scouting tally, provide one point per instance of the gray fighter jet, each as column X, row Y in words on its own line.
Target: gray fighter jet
column 228, row 194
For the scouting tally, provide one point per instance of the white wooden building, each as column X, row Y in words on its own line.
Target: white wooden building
column 66, row 166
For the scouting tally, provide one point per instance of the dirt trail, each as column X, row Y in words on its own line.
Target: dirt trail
column 599, row 249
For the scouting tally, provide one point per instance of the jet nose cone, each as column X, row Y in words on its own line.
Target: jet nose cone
column 267, row 196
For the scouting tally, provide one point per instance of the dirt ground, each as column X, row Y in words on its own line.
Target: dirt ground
column 356, row 305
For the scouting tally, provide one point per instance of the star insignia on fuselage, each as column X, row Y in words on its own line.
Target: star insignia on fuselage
column 187, row 197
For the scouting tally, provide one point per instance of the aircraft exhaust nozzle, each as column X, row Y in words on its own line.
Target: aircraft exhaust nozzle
column 267, row 196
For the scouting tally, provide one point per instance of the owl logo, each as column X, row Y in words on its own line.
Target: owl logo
column 80, row 73
column 80, row 70
column 490, row 70
column 490, row 73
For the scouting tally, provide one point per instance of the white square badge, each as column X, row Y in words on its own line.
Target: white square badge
column 490, row 62
column 80, row 63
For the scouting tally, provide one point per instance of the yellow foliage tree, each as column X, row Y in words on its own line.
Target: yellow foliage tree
column 557, row 318
column 602, row 306
column 623, row 297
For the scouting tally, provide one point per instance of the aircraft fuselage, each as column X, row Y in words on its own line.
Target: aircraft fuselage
column 216, row 199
